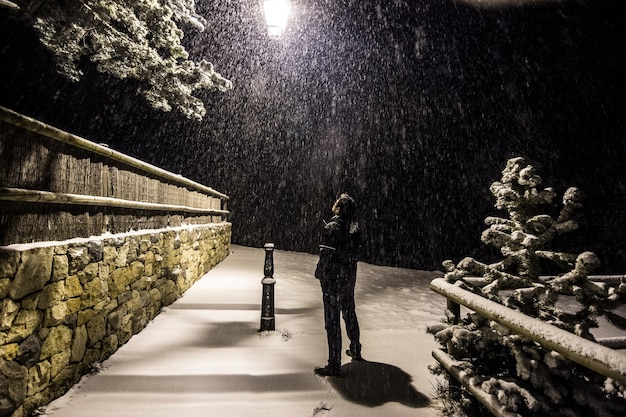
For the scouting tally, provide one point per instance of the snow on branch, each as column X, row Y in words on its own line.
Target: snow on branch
column 9, row 4
column 138, row 40
column 510, row 365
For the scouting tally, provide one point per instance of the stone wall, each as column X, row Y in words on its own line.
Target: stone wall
column 67, row 306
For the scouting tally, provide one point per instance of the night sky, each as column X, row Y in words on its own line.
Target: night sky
column 413, row 107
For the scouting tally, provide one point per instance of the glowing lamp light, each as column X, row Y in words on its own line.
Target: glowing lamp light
column 276, row 14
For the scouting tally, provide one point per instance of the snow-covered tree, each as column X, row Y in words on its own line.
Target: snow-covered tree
column 526, row 378
column 129, row 39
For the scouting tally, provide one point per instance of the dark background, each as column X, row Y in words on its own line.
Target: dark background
column 413, row 107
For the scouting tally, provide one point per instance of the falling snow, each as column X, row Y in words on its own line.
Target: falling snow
column 405, row 105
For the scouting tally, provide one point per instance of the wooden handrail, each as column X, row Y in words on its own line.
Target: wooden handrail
column 594, row 356
column 36, row 126
column 453, row 367
column 36, row 196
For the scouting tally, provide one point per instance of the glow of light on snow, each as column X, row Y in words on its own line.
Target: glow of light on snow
column 204, row 352
column 276, row 15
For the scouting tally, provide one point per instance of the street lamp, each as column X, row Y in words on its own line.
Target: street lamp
column 276, row 14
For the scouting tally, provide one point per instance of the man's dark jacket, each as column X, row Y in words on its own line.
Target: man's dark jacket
column 339, row 251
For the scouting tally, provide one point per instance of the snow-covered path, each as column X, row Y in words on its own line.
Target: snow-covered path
column 204, row 355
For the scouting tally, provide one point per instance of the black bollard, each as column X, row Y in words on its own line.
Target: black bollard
column 268, row 321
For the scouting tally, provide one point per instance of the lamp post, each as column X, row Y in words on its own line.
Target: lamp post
column 276, row 15
column 268, row 321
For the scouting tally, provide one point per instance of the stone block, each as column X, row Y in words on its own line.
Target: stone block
column 13, row 386
column 8, row 312
column 102, row 305
column 96, row 329
column 61, row 249
column 71, row 320
column 133, row 249
column 9, row 260
column 92, row 357
column 110, row 306
column 149, row 261
column 155, row 296
column 124, row 297
column 5, row 284
column 169, row 299
column 25, row 324
column 78, row 258
column 109, row 345
column 57, row 340
column 122, row 256
column 73, row 305
column 137, row 270
column 32, row 273
column 144, row 245
column 95, row 292
column 154, row 310
column 85, row 315
column 88, row 272
column 141, row 284
column 55, row 315
column 109, row 255
column 96, row 250
column 38, row 377
column 135, row 302
column 169, row 288
column 187, row 257
column 125, row 332
column 184, row 236
column 60, row 267
column 79, row 344
column 104, row 270
column 60, row 361
column 9, row 351
column 67, row 376
column 30, row 302
column 119, row 280
column 73, row 288
column 29, row 351
column 52, row 294
column 116, row 318
column 140, row 320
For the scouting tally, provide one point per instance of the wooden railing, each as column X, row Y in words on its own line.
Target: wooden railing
column 595, row 356
column 55, row 185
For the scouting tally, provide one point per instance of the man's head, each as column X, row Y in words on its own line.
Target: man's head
column 344, row 206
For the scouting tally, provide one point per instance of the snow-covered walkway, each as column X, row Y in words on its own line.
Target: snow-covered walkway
column 204, row 356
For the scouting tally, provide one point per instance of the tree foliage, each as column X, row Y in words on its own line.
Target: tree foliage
column 526, row 378
column 129, row 39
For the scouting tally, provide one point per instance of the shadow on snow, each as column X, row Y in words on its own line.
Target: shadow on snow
column 373, row 384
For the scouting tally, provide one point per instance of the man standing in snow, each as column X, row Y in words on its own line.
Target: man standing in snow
column 336, row 270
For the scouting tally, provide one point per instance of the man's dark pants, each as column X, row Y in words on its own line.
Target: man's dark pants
column 334, row 305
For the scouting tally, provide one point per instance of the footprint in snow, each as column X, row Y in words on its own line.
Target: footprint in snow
column 322, row 410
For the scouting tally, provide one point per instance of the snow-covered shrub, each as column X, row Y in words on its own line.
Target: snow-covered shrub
column 524, row 377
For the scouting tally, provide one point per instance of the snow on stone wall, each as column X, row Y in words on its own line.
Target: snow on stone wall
column 66, row 306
